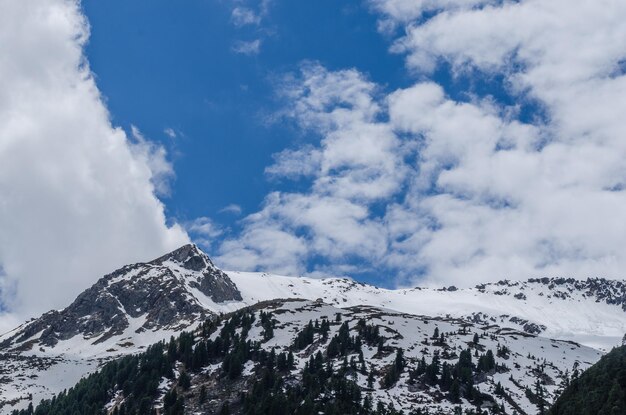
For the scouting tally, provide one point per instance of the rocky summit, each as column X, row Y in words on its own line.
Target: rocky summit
column 166, row 293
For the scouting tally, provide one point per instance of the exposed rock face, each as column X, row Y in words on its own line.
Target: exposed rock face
column 214, row 283
column 154, row 295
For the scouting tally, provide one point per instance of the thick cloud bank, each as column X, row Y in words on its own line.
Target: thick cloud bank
column 77, row 196
column 418, row 184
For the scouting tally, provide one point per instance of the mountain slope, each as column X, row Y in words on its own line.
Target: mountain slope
column 141, row 304
column 122, row 313
column 598, row 391
column 316, row 352
column 590, row 312
column 167, row 294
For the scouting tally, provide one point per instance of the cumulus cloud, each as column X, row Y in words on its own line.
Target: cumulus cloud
column 77, row 196
column 419, row 185
column 295, row 163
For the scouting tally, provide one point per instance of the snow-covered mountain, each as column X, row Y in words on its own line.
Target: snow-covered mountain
column 143, row 303
column 591, row 312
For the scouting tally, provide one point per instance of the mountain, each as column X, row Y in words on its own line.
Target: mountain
column 591, row 312
column 167, row 294
column 140, row 304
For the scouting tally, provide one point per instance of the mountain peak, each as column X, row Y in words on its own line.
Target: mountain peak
column 188, row 256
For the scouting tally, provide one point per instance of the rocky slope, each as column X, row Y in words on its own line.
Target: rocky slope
column 169, row 293
column 122, row 313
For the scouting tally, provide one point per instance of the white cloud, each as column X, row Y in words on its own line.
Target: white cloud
column 77, row 197
column 232, row 208
column 395, row 12
column 250, row 48
column 242, row 16
column 203, row 231
column 293, row 164
column 416, row 184
column 155, row 157
column 170, row 132
column 264, row 244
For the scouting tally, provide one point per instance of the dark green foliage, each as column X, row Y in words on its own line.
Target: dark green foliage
column 342, row 343
column 600, row 390
column 305, row 337
column 486, row 362
column 394, row 371
column 432, row 370
column 268, row 325
column 369, row 332
column 456, row 379
column 173, row 404
column 322, row 391
column 503, row 351
column 184, row 381
column 137, row 377
column 225, row 409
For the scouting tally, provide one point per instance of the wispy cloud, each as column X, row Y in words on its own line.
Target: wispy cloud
column 250, row 48
column 242, row 16
column 203, row 231
column 170, row 132
column 232, row 208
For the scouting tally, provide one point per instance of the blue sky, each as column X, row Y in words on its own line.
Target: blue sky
column 174, row 67
column 399, row 142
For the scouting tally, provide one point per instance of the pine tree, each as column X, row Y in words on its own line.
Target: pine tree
column 184, row 381
column 539, row 395
column 225, row 409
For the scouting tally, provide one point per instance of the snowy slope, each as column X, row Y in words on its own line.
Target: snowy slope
column 589, row 312
column 529, row 357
